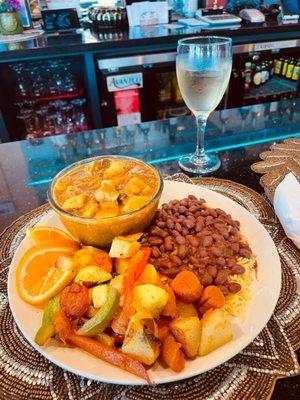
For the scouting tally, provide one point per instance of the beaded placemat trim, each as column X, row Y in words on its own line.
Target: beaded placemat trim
column 25, row 374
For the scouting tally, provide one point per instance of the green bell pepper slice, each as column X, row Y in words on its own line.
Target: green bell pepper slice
column 99, row 322
column 46, row 330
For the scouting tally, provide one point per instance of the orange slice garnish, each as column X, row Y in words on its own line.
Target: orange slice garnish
column 42, row 234
column 45, row 269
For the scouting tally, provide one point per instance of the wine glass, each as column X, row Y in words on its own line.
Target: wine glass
column 203, row 67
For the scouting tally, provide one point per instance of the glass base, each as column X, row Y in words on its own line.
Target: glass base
column 199, row 165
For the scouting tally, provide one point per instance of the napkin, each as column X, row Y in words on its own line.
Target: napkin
column 287, row 207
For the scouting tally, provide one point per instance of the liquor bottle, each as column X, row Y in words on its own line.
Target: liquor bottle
column 290, row 69
column 248, row 75
column 177, row 97
column 284, row 67
column 296, row 71
column 278, row 66
column 271, row 69
column 264, row 73
column 257, row 76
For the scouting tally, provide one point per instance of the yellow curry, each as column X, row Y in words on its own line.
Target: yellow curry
column 106, row 188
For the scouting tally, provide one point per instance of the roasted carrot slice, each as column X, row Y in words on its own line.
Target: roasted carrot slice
column 172, row 355
column 163, row 328
column 104, row 261
column 110, row 355
column 212, row 297
column 187, row 286
column 136, row 267
column 170, row 309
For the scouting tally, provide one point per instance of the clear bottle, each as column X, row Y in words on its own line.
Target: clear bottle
column 257, row 76
column 248, row 75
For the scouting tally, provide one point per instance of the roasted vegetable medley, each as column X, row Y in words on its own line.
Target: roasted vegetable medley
column 118, row 307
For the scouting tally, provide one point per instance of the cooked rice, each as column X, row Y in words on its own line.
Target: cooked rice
column 236, row 302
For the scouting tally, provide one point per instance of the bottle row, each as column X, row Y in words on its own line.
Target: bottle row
column 287, row 67
column 258, row 73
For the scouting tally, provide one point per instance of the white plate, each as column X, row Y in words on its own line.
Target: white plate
column 265, row 292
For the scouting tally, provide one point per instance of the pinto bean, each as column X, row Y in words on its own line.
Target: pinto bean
column 238, row 269
column 203, row 253
column 188, row 223
column 180, row 239
column 155, row 252
column 216, row 251
column 212, row 270
column 168, row 243
column 183, row 202
column 234, row 287
column 178, row 227
column 155, row 240
column 199, row 227
column 194, row 242
column 170, row 223
column 161, row 224
column 245, row 253
column 182, row 251
column 224, row 289
column 207, row 241
column 206, row 279
column 221, row 277
column 221, row 261
column 175, row 259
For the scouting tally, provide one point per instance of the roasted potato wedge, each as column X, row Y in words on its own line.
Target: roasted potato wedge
column 187, row 332
column 92, row 275
column 216, row 330
column 186, row 309
column 125, row 246
column 117, row 282
column 122, row 265
column 141, row 339
column 150, row 298
column 149, row 275
column 99, row 294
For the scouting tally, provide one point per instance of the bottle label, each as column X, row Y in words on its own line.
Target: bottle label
column 284, row 68
column 296, row 73
column 277, row 68
column 257, row 78
column 289, row 71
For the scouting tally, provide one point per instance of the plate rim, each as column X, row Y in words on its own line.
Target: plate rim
column 172, row 378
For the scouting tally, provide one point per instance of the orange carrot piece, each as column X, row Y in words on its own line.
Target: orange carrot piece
column 187, row 286
column 172, row 355
column 104, row 261
column 212, row 297
column 136, row 267
column 62, row 325
column 119, row 323
column 170, row 309
column 163, row 328
column 163, row 332
column 110, row 355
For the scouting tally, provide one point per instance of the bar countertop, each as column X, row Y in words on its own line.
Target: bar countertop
column 112, row 42
column 239, row 135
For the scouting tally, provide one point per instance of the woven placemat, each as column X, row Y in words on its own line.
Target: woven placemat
column 25, row 374
column 281, row 159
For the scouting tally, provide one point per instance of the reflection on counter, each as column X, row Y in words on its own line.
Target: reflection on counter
column 165, row 139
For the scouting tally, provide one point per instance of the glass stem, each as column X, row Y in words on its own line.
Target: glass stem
column 201, row 125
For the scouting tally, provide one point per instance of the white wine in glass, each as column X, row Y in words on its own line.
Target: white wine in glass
column 203, row 67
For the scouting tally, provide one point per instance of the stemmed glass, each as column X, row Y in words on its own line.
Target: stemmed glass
column 203, row 67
